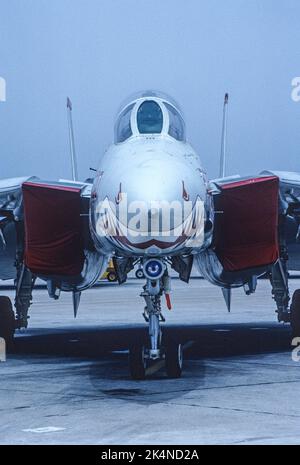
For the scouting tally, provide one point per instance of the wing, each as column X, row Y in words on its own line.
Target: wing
column 289, row 183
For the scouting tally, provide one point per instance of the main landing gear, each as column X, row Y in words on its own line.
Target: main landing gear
column 7, row 321
column 279, row 278
column 280, row 290
column 143, row 354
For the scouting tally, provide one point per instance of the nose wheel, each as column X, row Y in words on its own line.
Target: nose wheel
column 139, row 359
column 174, row 359
column 137, row 362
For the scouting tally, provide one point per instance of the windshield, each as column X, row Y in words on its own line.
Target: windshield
column 149, row 118
column 176, row 126
column 123, row 127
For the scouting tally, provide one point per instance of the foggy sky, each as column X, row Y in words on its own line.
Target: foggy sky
column 99, row 51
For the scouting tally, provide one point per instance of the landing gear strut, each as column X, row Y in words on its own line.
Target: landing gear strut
column 279, row 276
column 143, row 354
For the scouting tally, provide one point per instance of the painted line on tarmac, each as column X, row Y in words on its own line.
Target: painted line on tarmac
column 222, row 330
column 259, row 329
column 45, row 429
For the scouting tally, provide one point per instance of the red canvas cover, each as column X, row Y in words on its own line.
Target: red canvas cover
column 246, row 232
column 53, row 242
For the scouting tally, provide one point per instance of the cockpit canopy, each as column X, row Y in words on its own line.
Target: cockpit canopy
column 151, row 113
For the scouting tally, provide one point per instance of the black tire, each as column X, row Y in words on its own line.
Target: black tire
column 295, row 314
column 137, row 362
column 112, row 277
column 174, row 359
column 139, row 274
column 7, row 321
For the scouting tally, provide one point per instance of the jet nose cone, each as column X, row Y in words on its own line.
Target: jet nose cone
column 151, row 203
column 158, row 196
column 161, row 180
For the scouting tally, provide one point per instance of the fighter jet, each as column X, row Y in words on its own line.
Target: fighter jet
column 150, row 204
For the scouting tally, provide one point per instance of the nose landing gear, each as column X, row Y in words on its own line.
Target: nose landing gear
column 142, row 355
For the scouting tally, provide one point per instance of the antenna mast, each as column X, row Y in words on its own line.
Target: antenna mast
column 222, row 172
column 71, row 140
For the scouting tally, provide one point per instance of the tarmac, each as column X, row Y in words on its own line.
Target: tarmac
column 67, row 381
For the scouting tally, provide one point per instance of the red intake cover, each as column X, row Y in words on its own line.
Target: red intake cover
column 245, row 234
column 53, row 242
